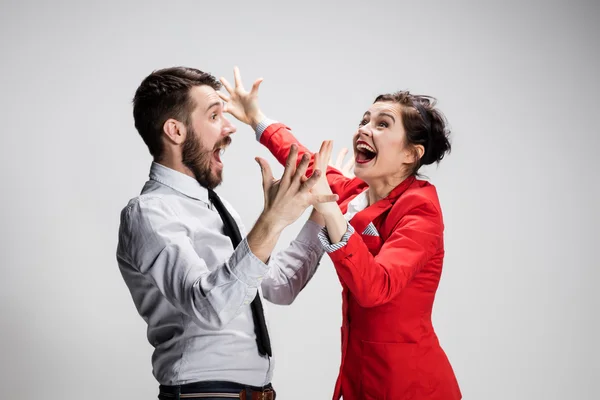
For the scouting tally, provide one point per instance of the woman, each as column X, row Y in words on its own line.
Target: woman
column 385, row 240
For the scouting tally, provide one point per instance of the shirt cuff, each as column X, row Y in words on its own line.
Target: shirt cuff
column 246, row 267
column 309, row 235
column 262, row 125
column 331, row 247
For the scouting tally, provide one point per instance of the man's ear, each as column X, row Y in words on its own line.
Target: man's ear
column 175, row 131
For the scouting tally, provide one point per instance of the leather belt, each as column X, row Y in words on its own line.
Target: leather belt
column 203, row 390
column 266, row 394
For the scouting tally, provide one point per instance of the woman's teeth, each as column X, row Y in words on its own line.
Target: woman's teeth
column 363, row 146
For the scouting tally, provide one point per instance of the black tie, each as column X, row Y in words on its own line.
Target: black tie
column 231, row 229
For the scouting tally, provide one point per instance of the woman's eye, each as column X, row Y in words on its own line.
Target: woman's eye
column 213, row 117
column 383, row 124
column 362, row 122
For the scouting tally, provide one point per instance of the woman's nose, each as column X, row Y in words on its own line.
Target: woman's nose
column 365, row 130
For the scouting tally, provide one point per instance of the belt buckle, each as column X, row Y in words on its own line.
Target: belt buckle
column 265, row 395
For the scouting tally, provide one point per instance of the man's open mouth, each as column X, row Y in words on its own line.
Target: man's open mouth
column 218, row 153
column 220, row 150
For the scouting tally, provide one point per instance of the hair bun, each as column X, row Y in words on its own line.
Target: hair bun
column 438, row 144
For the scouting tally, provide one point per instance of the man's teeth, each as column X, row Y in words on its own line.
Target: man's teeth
column 366, row 147
column 221, row 152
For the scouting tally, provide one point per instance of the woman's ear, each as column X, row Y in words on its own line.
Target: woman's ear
column 414, row 153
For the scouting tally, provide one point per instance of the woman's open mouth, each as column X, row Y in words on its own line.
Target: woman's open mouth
column 364, row 152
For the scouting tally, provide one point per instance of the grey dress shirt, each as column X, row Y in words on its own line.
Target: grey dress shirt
column 194, row 289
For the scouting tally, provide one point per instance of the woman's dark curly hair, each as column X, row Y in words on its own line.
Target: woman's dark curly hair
column 424, row 125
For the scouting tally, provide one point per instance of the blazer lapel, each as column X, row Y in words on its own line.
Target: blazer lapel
column 363, row 218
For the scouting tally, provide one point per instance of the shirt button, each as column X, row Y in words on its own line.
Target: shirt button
column 246, row 302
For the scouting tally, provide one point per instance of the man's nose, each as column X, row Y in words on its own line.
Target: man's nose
column 229, row 127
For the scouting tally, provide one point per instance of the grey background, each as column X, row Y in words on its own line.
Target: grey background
column 517, row 309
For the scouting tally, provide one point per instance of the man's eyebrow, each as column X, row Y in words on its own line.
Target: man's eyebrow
column 216, row 103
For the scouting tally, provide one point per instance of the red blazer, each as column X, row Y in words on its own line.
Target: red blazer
column 389, row 347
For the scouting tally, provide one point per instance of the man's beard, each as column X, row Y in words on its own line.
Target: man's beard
column 198, row 159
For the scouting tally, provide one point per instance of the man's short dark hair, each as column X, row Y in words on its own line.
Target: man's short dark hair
column 162, row 95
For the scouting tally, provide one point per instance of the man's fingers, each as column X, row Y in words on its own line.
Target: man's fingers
column 326, row 198
column 257, row 83
column 290, row 164
column 301, row 170
column 226, row 85
column 238, row 78
column 267, row 174
column 310, row 182
column 224, row 97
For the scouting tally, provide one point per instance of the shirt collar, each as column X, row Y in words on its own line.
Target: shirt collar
column 178, row 181
column 357, row 204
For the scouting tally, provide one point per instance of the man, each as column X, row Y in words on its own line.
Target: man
column 193, row 276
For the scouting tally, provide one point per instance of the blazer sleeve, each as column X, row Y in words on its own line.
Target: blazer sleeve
column 374, row 281
column 278, row 138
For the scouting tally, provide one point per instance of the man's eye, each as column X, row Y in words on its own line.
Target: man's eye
column 214, row 116
column 362, row 122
